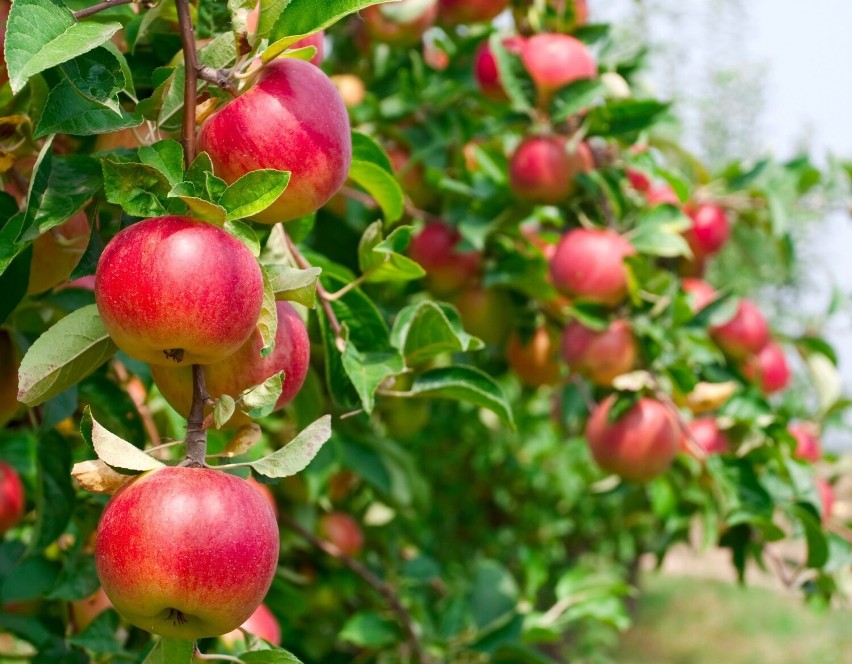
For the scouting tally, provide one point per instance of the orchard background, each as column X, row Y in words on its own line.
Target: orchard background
column 474, row 320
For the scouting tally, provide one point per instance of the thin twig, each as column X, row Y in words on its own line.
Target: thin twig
column 106, row 4
column 190, row 88
column 380, row 586
column 196, row 434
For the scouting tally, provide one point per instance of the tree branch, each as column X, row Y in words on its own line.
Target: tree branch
column 380, row 586
column 106, row 4
column 190, row 88
column 196, row 433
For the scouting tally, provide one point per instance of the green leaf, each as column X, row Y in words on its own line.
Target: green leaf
column 381, row 259
column 814, row 536
column 366, row 148
column 69, row 112
column 137, row 188
column 381, row 185
column 464, row 383
column 493, row 596
column 43, row 33
column 658, row 232
column 270, row 656
column 259, row 400
column 294, row 285
column 617, row 117
column 200, row 208
column 270, row 11
column 268, row 321
column 369, row 370
column 14, row 282
column 297, row 454
column 575, row 98
column 223, row 410
column 514, row 76
column 100, row 635
column 54, row 492
column 96, row 75
column 368, row 630
column 65, row 354
column 253, row 192
column 245, row 234
column 427, row 329
column 118, row 454
column 166, row 157
column 304, row 17
column 171, row 651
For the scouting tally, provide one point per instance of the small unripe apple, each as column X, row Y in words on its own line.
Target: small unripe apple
column 808, row 447
column 447, row 269
column 826, row 497
column 262, row 624
column 276, row 124
column 535, row 360
column 57, row 252
column 768, row 368
column 701, row 293
column 554, row 61
column 187, row 553
column 543, row 168
column 485, row 68
column 589, row 264
column 710, row 230
column 599, row 356
column 176, row 290
column 84, row 611
column 454, row 12
column 640, row 445
column 343, row 531
column 246, row 368
column 745, row 334
column 485, row 312
column 400, row 23
column 9, row 364
column 705, row 433
column 11, row 497
column 351, row 88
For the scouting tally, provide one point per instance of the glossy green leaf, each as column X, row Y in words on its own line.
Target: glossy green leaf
column 69, row 112
column 166, row 157
column 253, row 193
column 54, row 492
column 427, row 329
column 294, row 285
column 381, row 185
column 368, row 371
column 464, row 383
column 137, row 188
column 380, row 258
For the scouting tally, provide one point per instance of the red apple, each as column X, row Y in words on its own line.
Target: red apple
column 9, row 363
column 343, row 531
column 660, row 194
column 808, row 447
column 276, row 124
column 447, row 269
column 543, row 168
column 826, row 497
column 745, row 334
column 400, row 23
column 554, row 61
column 266, row 492
column 535, row 360
column 710, row 230
column 768, row 368
column 57, row 252
column 485, row 312
column 599, row 356
column 245, row 368
column 485, row 68
column 638, row 180
column 173, row 289
column 454, row 12
column 11, row 497
column 84, row 611
column 706, row 434
column 700, row 291
column 581, row 13
column 589, row 264
column 640, row 445
column 187, row 553
column 262, row 624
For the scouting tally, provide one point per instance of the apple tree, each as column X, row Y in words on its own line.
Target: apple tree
column 380, row 331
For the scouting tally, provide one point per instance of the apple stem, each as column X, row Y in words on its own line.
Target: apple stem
column 214, row 657
column 190, row 88
column 107, row 4
column 196, row 433
column 380, row 586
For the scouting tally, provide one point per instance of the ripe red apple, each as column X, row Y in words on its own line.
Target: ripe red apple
column 710, row 230
column 11, row 497
column 266, row 492
column 589, row 264
column 276, row 124
column 485, row 312
column 447, row 269
column 599, row 356
column 262, row 623
column 768, row 368
column 84, row 611
column 543, row 168
column 245, row 368
column 400, row 23
column 57, row 252
column 535, row 362
column 454, row 12
column 343, row 531
column 826, row 497
column 706, row 434
column 485, row 68
column 745, row 334
column 187, row 553
column 554, row 61
column 173, row 289
column 581, row 13
column 638, row 180
column 640, row 445
column 9, row 363
column 808, row 447
column 700, row 291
